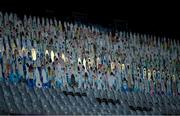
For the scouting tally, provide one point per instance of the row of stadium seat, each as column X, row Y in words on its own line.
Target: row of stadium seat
column 23, row 100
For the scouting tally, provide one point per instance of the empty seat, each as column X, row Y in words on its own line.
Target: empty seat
column 77, row 90
column 22, row 109
column 1, row 93
column 131, row 102
column 133, row 112
column 138, row 112
column 12, row 108
column 103, row 94
column 6, row 91
column 97, row 94
column 126, row 111
column 53, row 101
column 39, row 92
column 3, row 105
column 48, row 110
column 90, row 92
column 38, row 109
column 129, row 95
column 55, row 107
column 72, row 100
column 110, row 95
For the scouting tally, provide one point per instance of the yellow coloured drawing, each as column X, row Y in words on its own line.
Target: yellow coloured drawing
column 52, row 56
column 33, row 53
column 63, row 57
column 123, row 66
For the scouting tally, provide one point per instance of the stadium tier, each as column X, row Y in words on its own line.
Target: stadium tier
column 48, row 66
column 20, row 99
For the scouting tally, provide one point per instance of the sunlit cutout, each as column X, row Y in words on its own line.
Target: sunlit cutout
column 33, row 53
column 123, row 66
column 98, row 61
column 84, row 63
column 56, row 54
column 46, row 52
column 79, row 60
column 63, row 57
column 112, row 66
column 90, row 62
column 173, row 78
column 52, row 56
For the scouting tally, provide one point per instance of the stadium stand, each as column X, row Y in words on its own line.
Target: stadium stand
column 53, row 67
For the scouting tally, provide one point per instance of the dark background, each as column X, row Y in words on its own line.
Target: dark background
column 161, row 19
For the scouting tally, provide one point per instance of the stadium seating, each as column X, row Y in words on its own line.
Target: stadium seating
column 53, row 67
column 53, row 101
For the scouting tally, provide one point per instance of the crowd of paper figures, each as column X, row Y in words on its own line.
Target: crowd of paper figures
column 49, row 53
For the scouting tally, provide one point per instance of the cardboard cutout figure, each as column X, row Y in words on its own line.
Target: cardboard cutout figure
column 47, row 23
column 79, row 77
column 84, row 63
column 38, row 22
column 53, row 76
column 125, row 85
column 13, row 75
column 149, row 80
column 57, row 81
column 144, row 73
column 146, row 85
column 168, row 85
column 1, row 18
column 7, row 69
column 30, row 78
column 178, row 85
column 118, row 77
column 152, row 83
column 33, row 53
column 1, row 46
column 90, row 79
column 1, row 73
column 20, row 68
column 34, row 21
column 94, row 79
column 43, row 21
column 158, row 82
column 174, row 87
column 52, row 56
column 85, row 80
column 154, row 80
column 38, row 80
column 45, row 78
column 129, row 77
column 163, row 82
column 98, row 61
column 123, row 71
